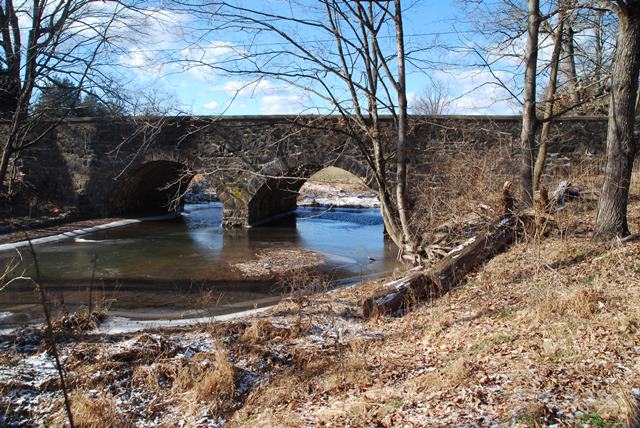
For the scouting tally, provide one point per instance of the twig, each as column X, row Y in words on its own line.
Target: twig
column 51, row 338
column 629, row 238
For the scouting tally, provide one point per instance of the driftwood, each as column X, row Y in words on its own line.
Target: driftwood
column 451, row 269
column 564, row 192
column 445, row 274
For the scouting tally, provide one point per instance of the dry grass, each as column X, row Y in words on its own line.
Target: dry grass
column 208, row 381
column 80, row 320
column 458, row 194
column 91, row 410
column 546, row 333
column 261, row 331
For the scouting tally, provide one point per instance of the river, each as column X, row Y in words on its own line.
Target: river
column 185, row 267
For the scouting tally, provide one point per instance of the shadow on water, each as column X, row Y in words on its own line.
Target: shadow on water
column 165, row 269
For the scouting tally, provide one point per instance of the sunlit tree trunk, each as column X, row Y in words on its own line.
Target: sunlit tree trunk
column 401, row 147
column 549, row 104
column 529, row 121
column 570, row 66
column 611, row 220
column 599, row 49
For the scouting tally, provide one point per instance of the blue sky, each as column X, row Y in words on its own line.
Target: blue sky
column 200, row 90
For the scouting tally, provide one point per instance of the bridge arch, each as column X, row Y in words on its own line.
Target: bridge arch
column 152, row 188
column 274, row 191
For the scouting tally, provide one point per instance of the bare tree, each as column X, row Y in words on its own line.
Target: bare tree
column 41, row 42
column 349, row 67
column 570, row 63
column 529, row 120
column 587, row 53
column 434, row 100
column 549, row 102
column 611, row 220
column 577, row 69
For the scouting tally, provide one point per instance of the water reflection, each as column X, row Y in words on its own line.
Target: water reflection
column 163, row 268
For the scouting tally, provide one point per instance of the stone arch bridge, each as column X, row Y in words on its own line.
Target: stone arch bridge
column 105, row 166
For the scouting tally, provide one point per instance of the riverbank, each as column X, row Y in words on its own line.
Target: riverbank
column 45, row 235
column 36, row 229
column 343, row 196
column 544, row 334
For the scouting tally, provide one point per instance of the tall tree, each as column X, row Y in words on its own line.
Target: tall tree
column 611, row 220
column 42, row 42
column 408, row 240
column 570, row 64
column 529, row 120
column 549, row 101
column 58, row 99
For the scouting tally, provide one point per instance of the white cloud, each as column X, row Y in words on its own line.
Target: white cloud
column 209, row 53
column 476, row 92
column 250, row 88
column 281, row 104
column 145, row 64
column 212, row 105
column 148, row 37
column 201, row 61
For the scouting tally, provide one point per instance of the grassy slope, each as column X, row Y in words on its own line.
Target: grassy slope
column 548, row 332
column 332, row 174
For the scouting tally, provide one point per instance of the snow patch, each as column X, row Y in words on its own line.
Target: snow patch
column 341, row 201
column 118, row 325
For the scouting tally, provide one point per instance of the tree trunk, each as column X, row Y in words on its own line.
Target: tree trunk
column 570, row 66
column 611, row 220
column 549, row 104
column 599, row 51
column 401, row 165
column 389, row 217
column 4, row 164
column 529, row 122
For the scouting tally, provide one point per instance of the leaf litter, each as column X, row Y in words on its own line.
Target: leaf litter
column 547, row 334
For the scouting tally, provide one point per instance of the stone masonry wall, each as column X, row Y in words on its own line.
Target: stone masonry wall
column 102, row 166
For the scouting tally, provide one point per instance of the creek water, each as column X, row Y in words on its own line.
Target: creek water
column 185, row 267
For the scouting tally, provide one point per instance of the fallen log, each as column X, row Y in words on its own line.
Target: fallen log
column 453, row 267
column 445, row 274
column 397, row 294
